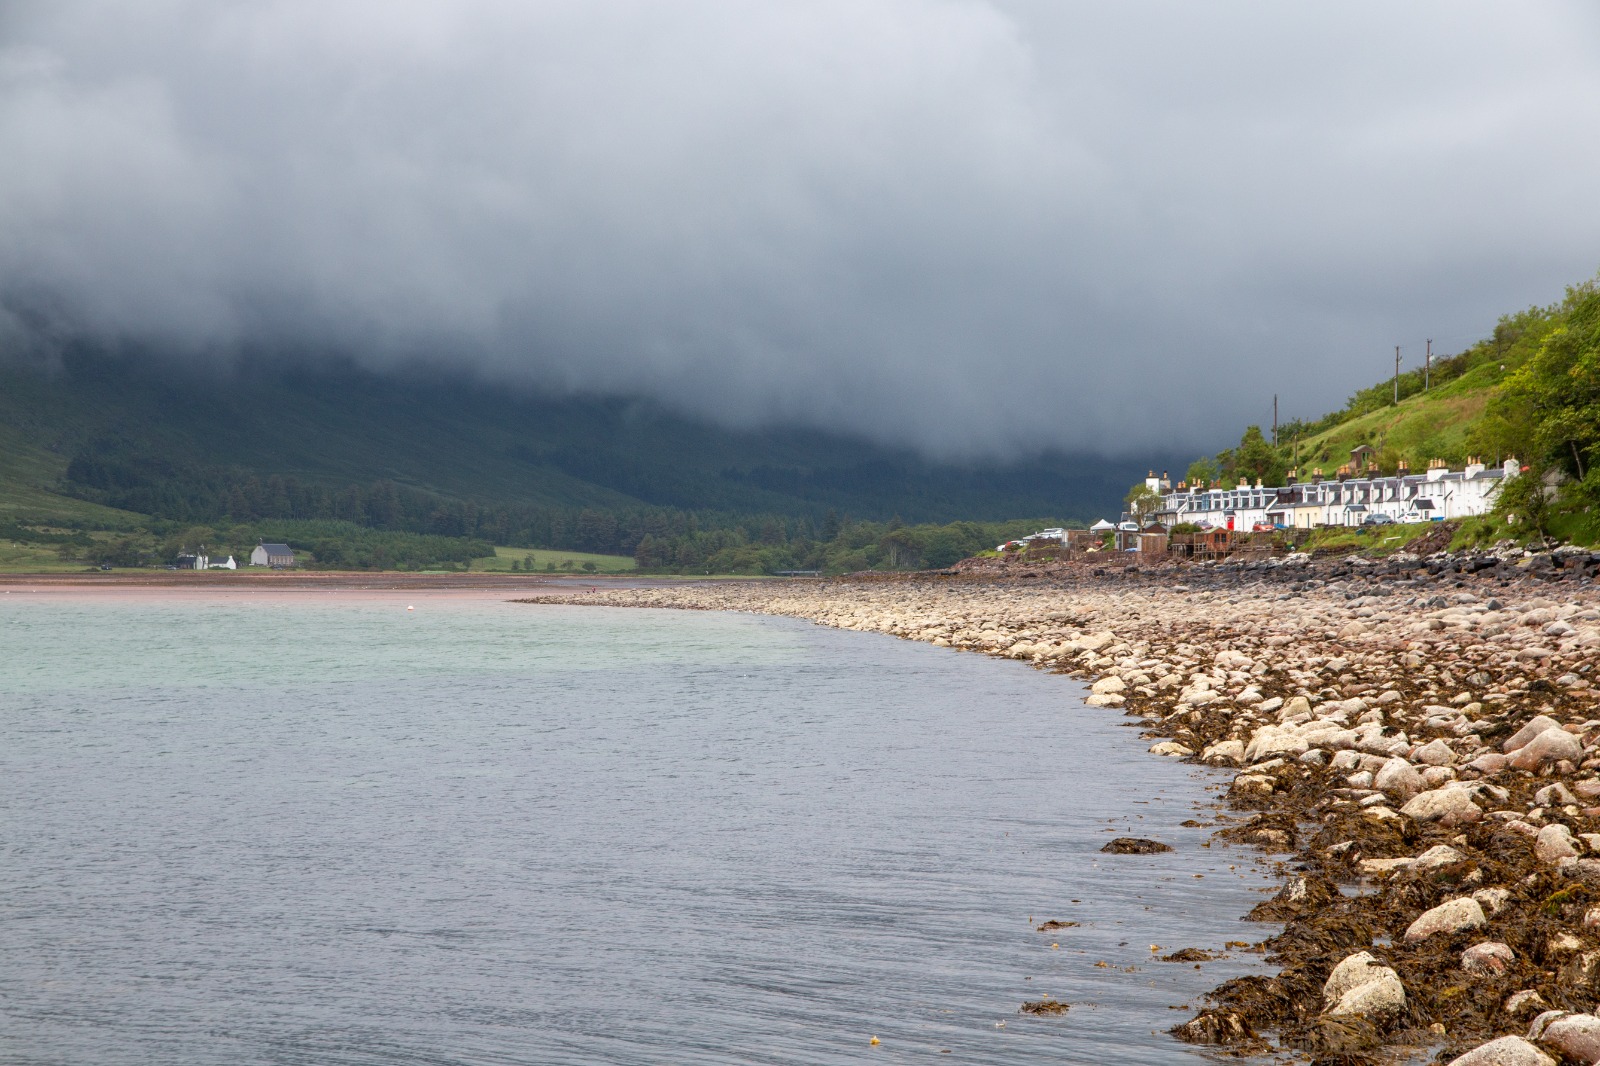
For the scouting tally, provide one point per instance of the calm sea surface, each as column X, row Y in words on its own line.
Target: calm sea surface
column 274, row 831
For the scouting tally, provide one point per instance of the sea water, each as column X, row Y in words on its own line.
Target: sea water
column 245, row 829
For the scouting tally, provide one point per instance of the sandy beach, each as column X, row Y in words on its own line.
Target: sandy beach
column 1417, row 737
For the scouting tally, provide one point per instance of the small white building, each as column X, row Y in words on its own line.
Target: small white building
column 228, row 565
column 274, row 555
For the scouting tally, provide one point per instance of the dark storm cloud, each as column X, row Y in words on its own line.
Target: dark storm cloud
column 968, row 226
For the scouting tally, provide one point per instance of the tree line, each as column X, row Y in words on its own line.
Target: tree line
column 384, row 524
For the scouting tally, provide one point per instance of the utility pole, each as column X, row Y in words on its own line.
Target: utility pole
column 1427, row 368
column 1274, row 420
column 1397, row 375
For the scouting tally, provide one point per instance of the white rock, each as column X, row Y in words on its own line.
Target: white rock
column 1554, row 842
column 1345, row 760
column 1398, row 778
column 1107, row 686
column 1172, row 748
column 1434, row 753
column 1507, row 1051
column 1363, row 985
column 1438, row 776
column 1449, row 917
column 1274, row 740
column 1437, row 856
column 1447, row 806
column 1224, row 751
column 1547, row 747
column 1536, row 725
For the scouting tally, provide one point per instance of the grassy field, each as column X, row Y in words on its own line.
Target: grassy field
column 560, row 562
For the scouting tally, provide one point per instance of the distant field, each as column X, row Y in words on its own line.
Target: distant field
column 554, row 561
column 33, row 558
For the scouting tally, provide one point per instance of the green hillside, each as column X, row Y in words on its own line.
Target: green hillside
column 333, row 455
column 1529, row 390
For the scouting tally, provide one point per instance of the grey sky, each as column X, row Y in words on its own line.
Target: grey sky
column 970, row 226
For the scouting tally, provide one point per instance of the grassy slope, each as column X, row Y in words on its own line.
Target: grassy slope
column 27, row 470
column 337, row 426
column 1434, row 424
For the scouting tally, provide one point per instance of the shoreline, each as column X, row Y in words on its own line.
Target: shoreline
column 1417, row 738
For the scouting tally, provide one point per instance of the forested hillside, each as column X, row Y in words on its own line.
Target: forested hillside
column 104, row 441
column 1529, row 390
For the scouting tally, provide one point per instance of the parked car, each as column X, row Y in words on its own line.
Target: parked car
column 1377, row 519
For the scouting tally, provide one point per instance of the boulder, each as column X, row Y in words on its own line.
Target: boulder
column 1363, row 985
column 1549, row 746
column 1273, row 740
column 1107, row 686
column 1491, row 763
column 1438, row 776
column 1487, row 959
column 1506, row 1051
column 1554, row 842
column 1172, row 748
column 1437, row 856
column 1446, row 806
column 1224, row 752
column 1575, row 1036
column 1398, row 778
column 1453, row 916
column 1536, row 725
column 1434, row 753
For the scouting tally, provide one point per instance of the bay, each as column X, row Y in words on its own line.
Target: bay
column 332, row 830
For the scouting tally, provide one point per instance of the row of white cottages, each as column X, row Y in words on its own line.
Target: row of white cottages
column 1438, row 494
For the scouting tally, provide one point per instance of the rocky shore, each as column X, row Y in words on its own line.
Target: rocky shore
column 1419, row 737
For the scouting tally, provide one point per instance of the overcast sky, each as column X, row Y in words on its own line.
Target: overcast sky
column 969, row 226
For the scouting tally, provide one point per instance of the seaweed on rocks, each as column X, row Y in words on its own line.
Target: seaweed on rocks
column 1302, row 894
column 1226, row 1028
column 1045, row 1006
column 1135, row 846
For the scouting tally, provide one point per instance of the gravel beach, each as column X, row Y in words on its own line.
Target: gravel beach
column 1417, row 737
